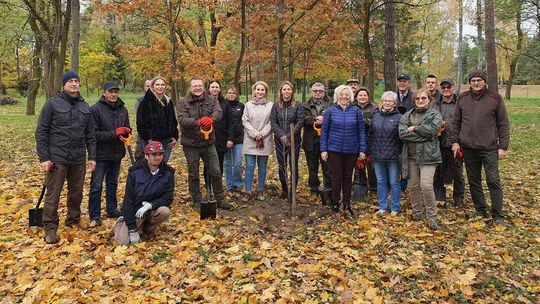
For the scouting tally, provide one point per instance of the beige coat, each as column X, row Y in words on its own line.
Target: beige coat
column 256, row 121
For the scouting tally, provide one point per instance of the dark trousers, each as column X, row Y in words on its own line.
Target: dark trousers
column 210, row 159
column 220, row 155
column 284, row 157
column 474, row 160
column 450, row 171
column 108, row 170
column 342, row 169
column 366, row 176
column 54, row 181
column 313, row 159
column 139, row 151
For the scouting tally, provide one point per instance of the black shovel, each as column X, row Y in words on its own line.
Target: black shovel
column 208, row 206
column 35, row 216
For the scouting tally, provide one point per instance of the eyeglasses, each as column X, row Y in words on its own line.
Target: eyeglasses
column 421, row 98
column 317, row 91
column 389, row 100
column 446, row 87
column 477, row 80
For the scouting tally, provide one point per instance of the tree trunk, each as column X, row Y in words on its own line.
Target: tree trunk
column 75, row 34
column 2, row 86
column 174, row 51
column 36, row 72
column 280, row 41
column 479, row 39
column 63, row 33
column 390, row 68
column 367, row 51
column 515, row 58
column 459, row 77
column 491, row 53
column 242, row 47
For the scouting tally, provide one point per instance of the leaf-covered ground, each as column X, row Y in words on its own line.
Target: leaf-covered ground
column 257, row 254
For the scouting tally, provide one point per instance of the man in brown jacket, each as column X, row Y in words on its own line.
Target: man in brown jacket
column 196, row 112
column 482, row 131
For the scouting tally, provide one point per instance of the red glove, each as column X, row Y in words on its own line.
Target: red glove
column 360, row 164
column 369, row 160
column 122, row 131
column 205, row 122
column 459, row 156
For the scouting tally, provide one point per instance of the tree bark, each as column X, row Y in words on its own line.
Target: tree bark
column 479, row 39
column 459, row 77
column 491, row 52
column 75, row 34
column 280, row 41
column 36, row 72
column 390, row 68
column 2, row 86
column 174, row 51
column 515, row 58
column 242, row 47
column 368, row 52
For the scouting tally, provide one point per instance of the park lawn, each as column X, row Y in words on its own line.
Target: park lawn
column 241, row 257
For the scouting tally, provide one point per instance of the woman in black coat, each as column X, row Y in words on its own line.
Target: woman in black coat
column 156, row 119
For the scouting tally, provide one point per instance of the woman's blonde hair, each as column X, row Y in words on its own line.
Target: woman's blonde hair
column 254, row 86
column 341, row 88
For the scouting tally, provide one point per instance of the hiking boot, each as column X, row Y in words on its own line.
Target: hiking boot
column 196, row 205
column 459, row 204
column 433, row 224
column 51, row 237
column 260, row 196
column 479, row 216
column 335, row 207
column 349, row 211
column 114, row 214
column 94, row 223
column 498, row 221
column 417, row 217
column 224, row 205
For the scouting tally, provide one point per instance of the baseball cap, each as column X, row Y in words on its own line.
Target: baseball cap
column 154, row 147
column 404, row 76
column 447, row 80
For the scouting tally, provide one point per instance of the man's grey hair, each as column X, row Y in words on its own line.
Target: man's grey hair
column 390, row 94
column 317, row 85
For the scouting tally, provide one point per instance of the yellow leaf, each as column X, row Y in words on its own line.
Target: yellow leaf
column 324, row 296
column 264, row 276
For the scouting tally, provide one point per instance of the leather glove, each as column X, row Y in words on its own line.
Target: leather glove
column 362, row 155
column 205, row 122
column 360, row 164
column 134, row 236
column 122, row 131
column 146, row 206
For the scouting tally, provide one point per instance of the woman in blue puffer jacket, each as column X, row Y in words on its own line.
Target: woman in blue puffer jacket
column 343, row 139
column 385, row 149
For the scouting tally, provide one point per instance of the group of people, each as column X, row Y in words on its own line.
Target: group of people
column 413, row 141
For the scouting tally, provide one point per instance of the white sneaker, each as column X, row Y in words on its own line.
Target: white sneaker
column 380, row 212
column 393, row 213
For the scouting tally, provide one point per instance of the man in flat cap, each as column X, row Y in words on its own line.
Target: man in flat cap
column 482, row 131
column 405, row 102
column 354, row 84
column 451, row 169
column 111, row 121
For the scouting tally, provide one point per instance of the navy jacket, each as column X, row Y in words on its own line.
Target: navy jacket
column 236, row 128
column 343, row 130
column 106, row 119
column 383, row 136
column 142, row 186
column 222, row 126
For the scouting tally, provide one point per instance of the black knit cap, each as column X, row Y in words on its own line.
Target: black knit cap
column 69, row 75
column 477, row 73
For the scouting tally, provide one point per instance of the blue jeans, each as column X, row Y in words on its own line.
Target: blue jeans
column 232, row 165
column 108, row 170
column 388, row 174
column 166, row 153
column 262, row 163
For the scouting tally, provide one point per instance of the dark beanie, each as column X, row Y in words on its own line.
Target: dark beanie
column 477, row 73
column 69, row 75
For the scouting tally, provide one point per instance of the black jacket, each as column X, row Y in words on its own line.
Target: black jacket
column 281, row 118
column 406, row 103
column 106, row 119
column 222, row 126
column 155, row 120
column 65, row 131
column 310, row 114
column 142, row 186
column 236, row 128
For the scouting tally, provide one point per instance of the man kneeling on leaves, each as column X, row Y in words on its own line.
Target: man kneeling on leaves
column 149, row 193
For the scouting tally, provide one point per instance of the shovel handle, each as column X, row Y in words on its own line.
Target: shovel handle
column 206, row 133
column 125, row 139
column 317, row 128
